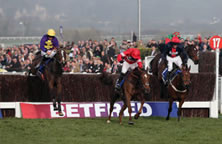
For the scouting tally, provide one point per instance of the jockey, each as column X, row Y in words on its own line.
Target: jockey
column 172, row 53
column 48, row 45
column 130, row 59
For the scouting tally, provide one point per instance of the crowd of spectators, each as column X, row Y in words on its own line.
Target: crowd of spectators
column 88, row 56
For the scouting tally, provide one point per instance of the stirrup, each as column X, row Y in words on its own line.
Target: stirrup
column 117, row 87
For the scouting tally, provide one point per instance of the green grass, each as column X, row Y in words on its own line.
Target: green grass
column 96, row 131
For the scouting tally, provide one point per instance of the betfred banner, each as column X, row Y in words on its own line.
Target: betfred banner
column 94, row 109
column 0, row 113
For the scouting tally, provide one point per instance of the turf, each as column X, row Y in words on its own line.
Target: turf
column 96, row 131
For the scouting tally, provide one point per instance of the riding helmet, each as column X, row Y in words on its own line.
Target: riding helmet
column 51, row 32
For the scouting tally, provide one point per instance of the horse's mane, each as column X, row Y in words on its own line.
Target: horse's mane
column 136, row 76
column 137, row 72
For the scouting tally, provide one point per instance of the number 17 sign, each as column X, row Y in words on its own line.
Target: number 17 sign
column 216, row 42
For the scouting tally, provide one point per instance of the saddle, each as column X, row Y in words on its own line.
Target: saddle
column 172, row 75
column 126, row 76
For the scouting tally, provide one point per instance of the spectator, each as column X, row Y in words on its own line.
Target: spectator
column 154, row 51
column 107, row 68
column 67, row 68
column 111, row 52
column 97, row 52
column 134, row 37
column 86, row 66
column 161, row 46
column 123, row 46
column 205, row 48
column 115, row 67
column 15, row 65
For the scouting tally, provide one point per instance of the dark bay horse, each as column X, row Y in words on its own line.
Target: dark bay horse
column 52, row 76
column 193, row 53
column 178, row 89
column 136, row 84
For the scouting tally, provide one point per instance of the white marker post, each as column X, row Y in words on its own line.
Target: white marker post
column 215, row 44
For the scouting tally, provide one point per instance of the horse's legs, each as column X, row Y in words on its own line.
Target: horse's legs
column 179, row 110
column 170, row 108
column 140, row 110
column 162, row 90
column 114, row 98
column 59, row 92
column 121, row 112
column 52, row 93
column 129, row 109
column 54, row 103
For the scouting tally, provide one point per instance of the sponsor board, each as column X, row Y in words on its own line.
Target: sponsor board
column 94, row 109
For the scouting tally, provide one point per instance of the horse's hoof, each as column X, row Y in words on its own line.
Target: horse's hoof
column 136, row 116
column 131, row 123
column 61, row 114
column 120, row 123
column 108, row 121
column 167, row 118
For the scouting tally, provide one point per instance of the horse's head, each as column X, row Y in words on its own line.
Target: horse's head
column 145, row 79
column 61, row 56
column 193, row 53
column 186, row 76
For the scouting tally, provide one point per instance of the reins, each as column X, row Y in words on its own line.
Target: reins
column 180, row 91
column 175, row 89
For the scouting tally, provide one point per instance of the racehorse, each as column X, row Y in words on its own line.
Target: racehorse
column 191, row 51
column 52, row 75
column 178, row 89
column 136, row 83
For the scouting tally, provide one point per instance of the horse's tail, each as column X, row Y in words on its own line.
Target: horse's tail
column 106, row 78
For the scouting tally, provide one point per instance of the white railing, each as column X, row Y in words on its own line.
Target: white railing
column 20, row 38
column 12, row 105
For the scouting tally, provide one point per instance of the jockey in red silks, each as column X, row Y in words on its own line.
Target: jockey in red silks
column 130, row 59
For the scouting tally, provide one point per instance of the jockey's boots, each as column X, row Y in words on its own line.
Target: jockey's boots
column 119, row 82
column 40, row 69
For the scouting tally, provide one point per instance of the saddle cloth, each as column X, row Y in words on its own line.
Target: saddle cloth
column 173, row 74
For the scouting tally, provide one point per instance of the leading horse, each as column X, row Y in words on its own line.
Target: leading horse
column 137, row 82
column 53, row 69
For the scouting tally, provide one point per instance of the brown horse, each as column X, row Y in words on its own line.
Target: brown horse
column 135, row 85
column 53, row 74
column 193, row 53
column 178, row 89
